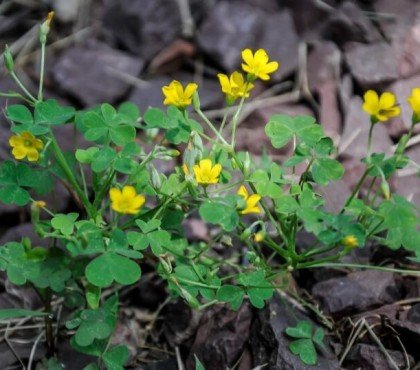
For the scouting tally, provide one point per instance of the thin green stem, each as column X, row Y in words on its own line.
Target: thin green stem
column 236, row 119
column 369, row 144
column 61, row 160
column 23, row 88
column 211, row 126
column 104, row 188
column 357, row 188
column 41, row 73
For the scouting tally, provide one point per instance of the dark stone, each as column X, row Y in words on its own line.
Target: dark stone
column 230, row 27
column 409, row 63
column 335, row 195
column 280, row 40
column 363, row 62
column 15, row 234
column 414, row 313
column 357, row 291
column 269, row 343
column 349, row 23
column 369, row 357
column 221, row 337
column 407, row 180
column 400, row 16
column 90, row 73
column 409, row 333
column 402, row 89
column 310, row 16
column 329, row 114
column 355, row 134
column 324, row 61
column 143, row 27
column 169, row 364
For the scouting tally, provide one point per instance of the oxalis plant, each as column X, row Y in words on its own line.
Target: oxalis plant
column 129, row 213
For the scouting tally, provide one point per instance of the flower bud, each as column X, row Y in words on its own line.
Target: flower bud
column 196, row 101
column 259, row 237
column 247, row 163
column 8, row 59
column 156, row 180
column 44, row 29
column 385, row 190
column 151, row 133
column 350, row 241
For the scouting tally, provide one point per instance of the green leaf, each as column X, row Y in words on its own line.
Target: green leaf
column 102, row 159
column 220, row 214
column 281, row 129
column 129, row 110
column 122, row 135
column 257, row 287
column 64, row 223
column 19, row 114
column 94, row 325
column 86, row 156
column 116, row 357
column 14, row 195
column 325, row 170
column 110, row 267
column 198, row 364
column 303, row 329
column 12, row 313
column 95, row 125
column 305, row 349
column 286, row 204
column 231, row 294
column 155, row 118
column 51, row 113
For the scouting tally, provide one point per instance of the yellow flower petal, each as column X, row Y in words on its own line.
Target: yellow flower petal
column 371, row 102
column 243, row 192
column 387, row 100
column 19, row 152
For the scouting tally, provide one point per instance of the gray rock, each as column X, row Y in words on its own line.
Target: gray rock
column 15, row 234
column 356, row 292
column 269, row 343
column 349, row 23
column 409, row 63
column 372, row 65
column 230, row 27
column 91, row 73
column 368, row 357
column 355, row 135
column 402, row 89
column 280, row 40
column 221, row 337
column 143, row 27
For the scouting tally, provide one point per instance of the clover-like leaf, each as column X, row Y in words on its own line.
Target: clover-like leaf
column 218, row 213
column 64, row 222
column 232, row 294
column 110, row 267
column 305, row 349
column 116, row 357
column 49, row 112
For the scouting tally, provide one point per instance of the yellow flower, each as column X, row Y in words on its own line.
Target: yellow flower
column 257, row 65
column 414, row 101
column 380, row 108
column 26, row 145
column 234, row 86
column 205, row 173
column 176, row 95
column 251, row 201
column 259, row 237
column 127, row 201
column 40, row 204
column 350, row 241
